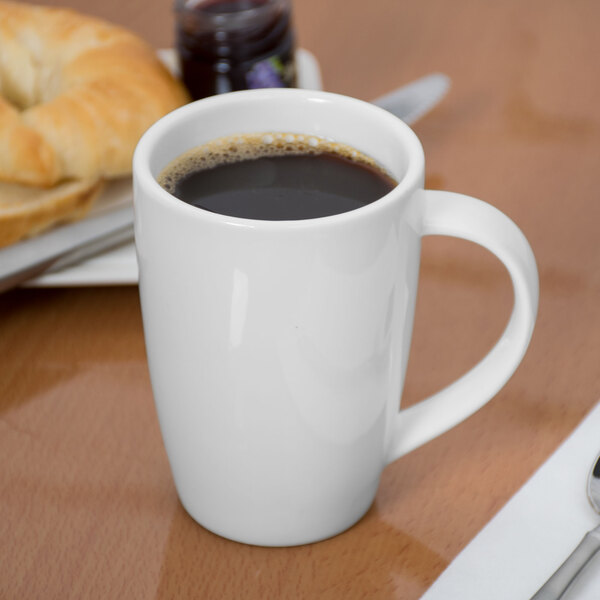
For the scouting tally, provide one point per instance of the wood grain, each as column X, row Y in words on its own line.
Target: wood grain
column 87, row 504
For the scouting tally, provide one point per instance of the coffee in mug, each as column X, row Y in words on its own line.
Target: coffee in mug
column 276, row 176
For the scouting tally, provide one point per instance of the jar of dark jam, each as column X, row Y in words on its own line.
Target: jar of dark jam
column 227, row 45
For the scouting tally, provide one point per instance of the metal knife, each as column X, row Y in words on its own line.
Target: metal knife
column 69, row 244
column 64, row 246
column 413, row 100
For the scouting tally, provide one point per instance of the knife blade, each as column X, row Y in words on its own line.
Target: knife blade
column 412, row 101
column 64, row 245
column 68, row 244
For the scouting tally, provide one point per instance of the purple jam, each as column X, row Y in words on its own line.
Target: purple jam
column 228, row 45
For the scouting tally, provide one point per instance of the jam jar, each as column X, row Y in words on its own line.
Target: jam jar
column 227, row 45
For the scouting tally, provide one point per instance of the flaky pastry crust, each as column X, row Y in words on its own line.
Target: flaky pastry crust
column 76, row 94
column 26, row 210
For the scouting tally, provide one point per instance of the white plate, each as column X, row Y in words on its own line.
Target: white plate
column 119, row 265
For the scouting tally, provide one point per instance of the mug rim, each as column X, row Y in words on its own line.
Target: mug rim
column 142, row 174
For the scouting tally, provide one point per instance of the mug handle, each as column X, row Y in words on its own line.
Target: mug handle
column 457, row 215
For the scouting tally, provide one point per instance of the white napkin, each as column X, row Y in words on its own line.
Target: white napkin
column 520, row 548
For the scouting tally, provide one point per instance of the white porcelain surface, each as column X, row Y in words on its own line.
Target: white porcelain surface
column 277, row 350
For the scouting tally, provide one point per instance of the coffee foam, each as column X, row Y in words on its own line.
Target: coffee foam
column 239, row 147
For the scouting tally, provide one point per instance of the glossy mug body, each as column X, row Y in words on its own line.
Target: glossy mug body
column 277, row 350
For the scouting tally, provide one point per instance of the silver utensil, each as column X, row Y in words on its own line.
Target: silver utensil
column 69, row 244
column 557, row 585
column 64, row 246
column 412, row 101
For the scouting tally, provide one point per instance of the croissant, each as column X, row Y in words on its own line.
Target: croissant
column 26, row 210
column 76, row 94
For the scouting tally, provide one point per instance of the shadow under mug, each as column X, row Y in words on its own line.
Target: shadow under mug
column 277, row 349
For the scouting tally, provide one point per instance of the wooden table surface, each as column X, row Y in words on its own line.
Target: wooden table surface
column 87, row 504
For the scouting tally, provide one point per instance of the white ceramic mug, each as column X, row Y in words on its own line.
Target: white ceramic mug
column 277, row 349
